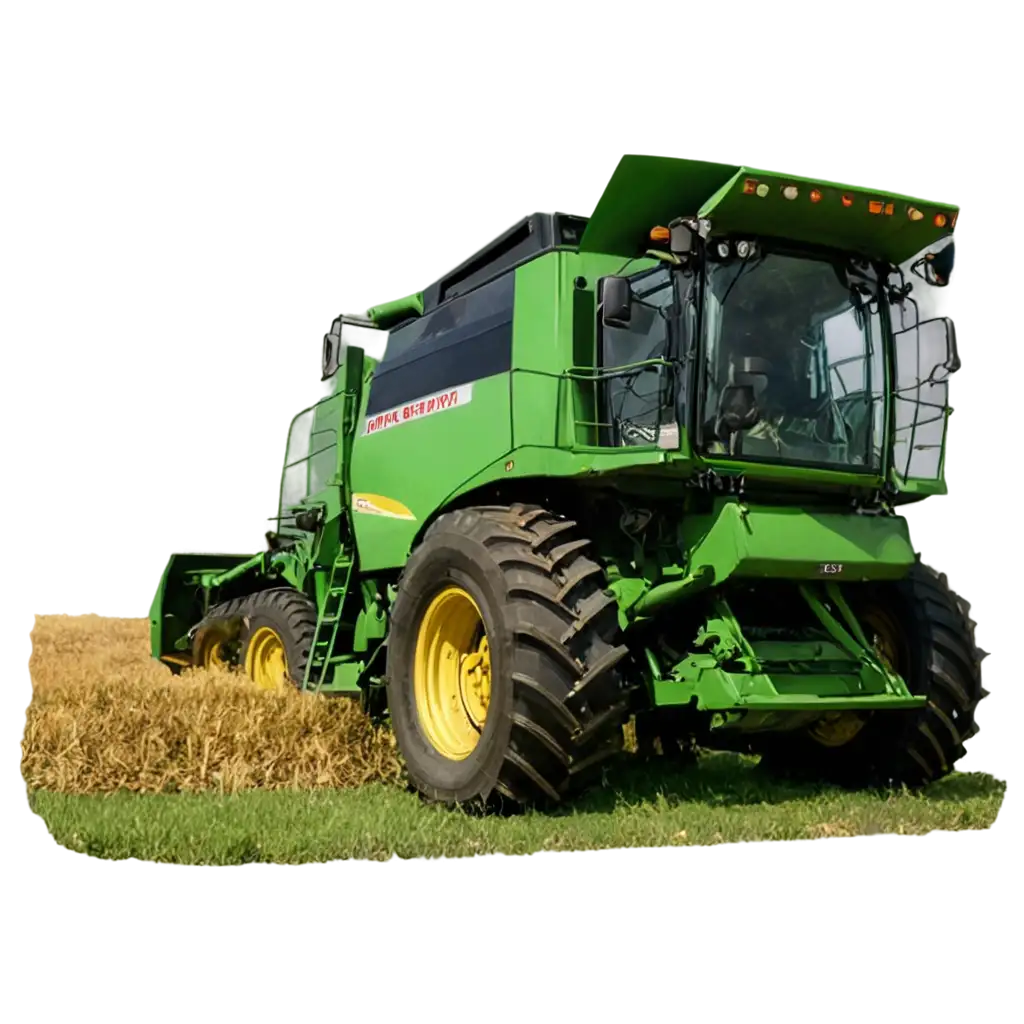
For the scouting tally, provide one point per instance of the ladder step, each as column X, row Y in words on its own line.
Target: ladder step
column 340, row 625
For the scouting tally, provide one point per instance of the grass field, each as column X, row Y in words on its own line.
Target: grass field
column 721, row 800
column 122, row 760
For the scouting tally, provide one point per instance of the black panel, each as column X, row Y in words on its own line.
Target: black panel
column 531, row 237
column 460, row 363
column 464, row 340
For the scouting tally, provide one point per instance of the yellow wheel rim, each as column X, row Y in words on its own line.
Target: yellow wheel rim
column 452, row 674
column 211, row 653
column 884, row 634
column 838, row 729
column 265, row 660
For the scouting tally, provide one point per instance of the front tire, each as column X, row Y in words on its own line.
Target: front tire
column 923, row 628
column 503, row 680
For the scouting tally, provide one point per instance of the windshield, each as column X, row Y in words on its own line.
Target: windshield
column 793, row 363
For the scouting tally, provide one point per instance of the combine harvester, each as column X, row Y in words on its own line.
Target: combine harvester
column 643, row 466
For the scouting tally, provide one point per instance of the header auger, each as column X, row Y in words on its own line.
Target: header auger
column 642, row 466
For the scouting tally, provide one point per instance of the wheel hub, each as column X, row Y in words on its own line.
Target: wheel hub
column 475, row 683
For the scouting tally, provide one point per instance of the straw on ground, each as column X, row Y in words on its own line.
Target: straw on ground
column 124, row 759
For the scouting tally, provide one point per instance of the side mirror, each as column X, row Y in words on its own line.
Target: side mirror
column 936, row 267
column 681, row 239
column 332, row 351
column 616, row 302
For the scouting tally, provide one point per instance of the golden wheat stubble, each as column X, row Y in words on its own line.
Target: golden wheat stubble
column 104, row 716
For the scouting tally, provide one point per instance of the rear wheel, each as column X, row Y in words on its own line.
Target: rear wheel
column 503, row 677
column 923, row 631
column 268, row 635
column 216, row 639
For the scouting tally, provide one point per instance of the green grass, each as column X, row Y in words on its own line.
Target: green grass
column 723, row 799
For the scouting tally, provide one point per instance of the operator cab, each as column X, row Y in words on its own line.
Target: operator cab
column 767, row 350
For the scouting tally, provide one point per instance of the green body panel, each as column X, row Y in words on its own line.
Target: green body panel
column 790, row 543
column 377, row 482
column 400, row 464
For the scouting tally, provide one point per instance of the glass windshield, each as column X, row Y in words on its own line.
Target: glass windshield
column 794, row 367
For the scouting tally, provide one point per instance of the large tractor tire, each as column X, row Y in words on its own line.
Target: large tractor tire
column 503, row 668
column 923, row 629
column 268, row 635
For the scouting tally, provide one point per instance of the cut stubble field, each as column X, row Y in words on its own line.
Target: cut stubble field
column 123, row 759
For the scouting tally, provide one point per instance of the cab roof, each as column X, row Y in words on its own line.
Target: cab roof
column 646, row 191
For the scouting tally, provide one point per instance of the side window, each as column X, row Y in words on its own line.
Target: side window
column 856, row 380
column 921, row 399
column 295, row 478
column 921, row 388
column 293, row 487
column 638, row 401
column 299, row 437
column 646, row 337
column 920, row 391
column 847, row 359
column 321, row 469
column 465, row 339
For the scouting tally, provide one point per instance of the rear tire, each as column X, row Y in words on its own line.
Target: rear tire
column 556, row 702
column 268, row 634
column 938, row 659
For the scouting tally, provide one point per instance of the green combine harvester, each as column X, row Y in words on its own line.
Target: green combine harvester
column 638, row 469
